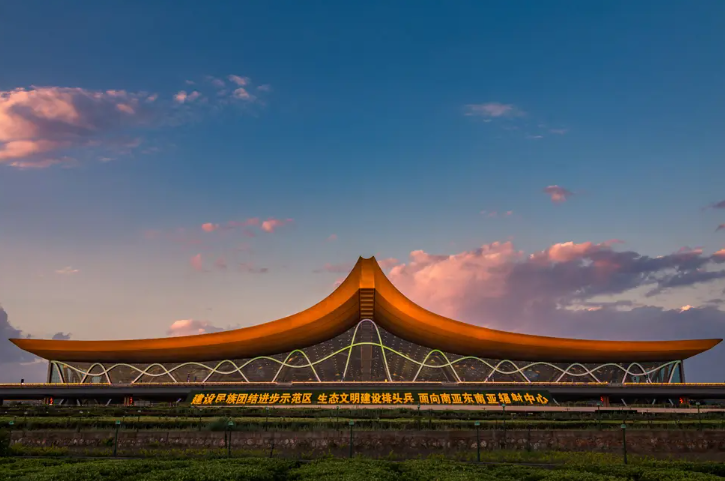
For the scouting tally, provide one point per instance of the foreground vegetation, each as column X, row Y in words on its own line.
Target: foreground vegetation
column 573, row 468
column 305, row 419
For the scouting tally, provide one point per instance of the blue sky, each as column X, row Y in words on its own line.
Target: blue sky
column 359, row 131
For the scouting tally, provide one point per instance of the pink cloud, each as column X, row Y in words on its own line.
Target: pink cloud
column 558, row 194
column 497, row 284
column 388, row 263
column 720, row 254
column 182, row 97
column 720, row 227
column 197, row 263
column 209, row 227
column 492, row 110
column 40, row 120
column 191, row 327
column 220, row 263
column 265, row 88
column 242, row 94
column 332, row 238
column 270, row 225
column 241, row 81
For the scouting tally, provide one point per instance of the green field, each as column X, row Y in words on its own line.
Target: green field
column 577, row 468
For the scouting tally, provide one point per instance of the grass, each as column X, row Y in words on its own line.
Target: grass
column 569, row 468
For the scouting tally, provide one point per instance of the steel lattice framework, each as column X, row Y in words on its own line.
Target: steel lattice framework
column 366, row 353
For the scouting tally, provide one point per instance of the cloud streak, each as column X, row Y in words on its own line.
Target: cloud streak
column 67, row 271
column 558, row 194
column 715, row 205
column 492, row 110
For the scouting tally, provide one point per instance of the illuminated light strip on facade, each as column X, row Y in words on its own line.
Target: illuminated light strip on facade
column 669, row 368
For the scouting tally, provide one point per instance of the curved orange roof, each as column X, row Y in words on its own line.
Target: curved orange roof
column 340, row 311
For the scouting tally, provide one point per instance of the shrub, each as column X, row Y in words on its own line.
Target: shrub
column 4, row 442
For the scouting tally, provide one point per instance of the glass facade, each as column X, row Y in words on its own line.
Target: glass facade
column 366, row 353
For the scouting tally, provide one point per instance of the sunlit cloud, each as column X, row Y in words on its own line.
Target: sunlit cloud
column 42, row 127
column 558, row 194
column 191, row 327
column 241, row 81
column 197, row 263
column 67, row 271
column 209, row 227
column 271, row 224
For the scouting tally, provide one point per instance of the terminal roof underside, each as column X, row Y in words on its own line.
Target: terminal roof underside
column 365, row 294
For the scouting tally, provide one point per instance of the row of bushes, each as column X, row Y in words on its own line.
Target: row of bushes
column 333, row 422
column 261, row 469
column 158, row 411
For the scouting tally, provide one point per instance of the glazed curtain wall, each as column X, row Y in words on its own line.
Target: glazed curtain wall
column 366, row 353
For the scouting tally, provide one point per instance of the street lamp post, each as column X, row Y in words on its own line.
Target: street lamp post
column 352, row 423
column 699, row 418
column 478, row 441
column 503, row 406
column 230, row 425
column 599, row 418
column 115, row 439
column 624, row 441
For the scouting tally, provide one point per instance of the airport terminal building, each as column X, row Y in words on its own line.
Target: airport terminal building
column 365, row 331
